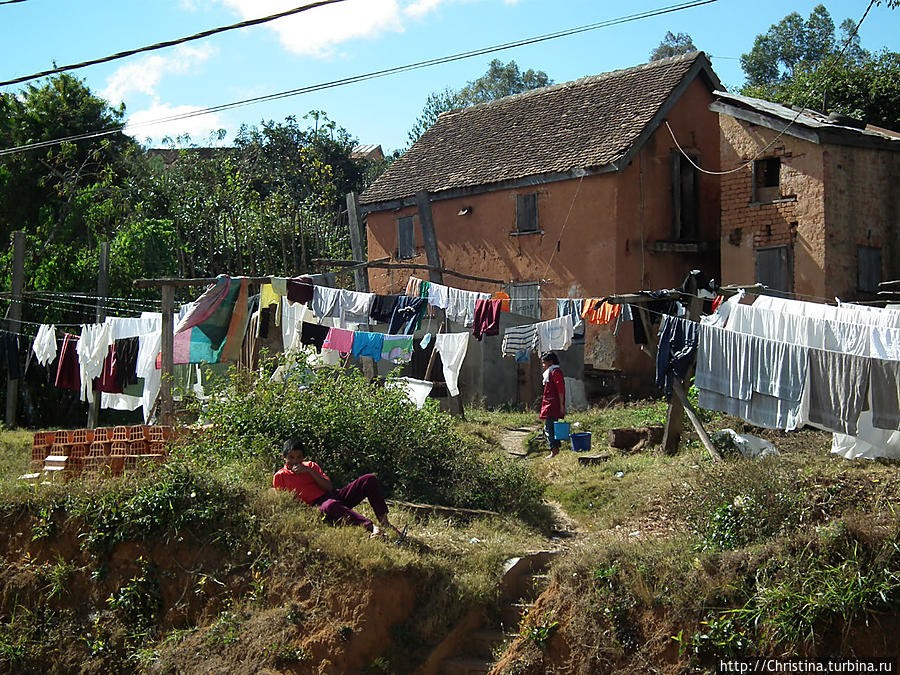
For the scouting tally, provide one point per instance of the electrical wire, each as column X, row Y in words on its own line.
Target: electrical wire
column 168, row 43
column 781, row 133
column 10, row 2
column 358, row 78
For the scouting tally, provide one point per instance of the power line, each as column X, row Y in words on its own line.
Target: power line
column 361, row 78
column 167, row 43
column 9, row 2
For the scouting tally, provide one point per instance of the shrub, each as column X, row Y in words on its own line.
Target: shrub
column 351, row 427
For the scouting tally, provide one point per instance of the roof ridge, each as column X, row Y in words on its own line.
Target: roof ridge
column 581, row 81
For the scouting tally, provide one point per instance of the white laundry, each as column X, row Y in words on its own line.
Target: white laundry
column 452, row 348
column 438, row 295
column 416, row 390
column 325, row 301
column 93, row 347
column 354, row 307
column 279, row 285
column 555, row 334
column 292, row 317
column 461, row 305
column 44, row 346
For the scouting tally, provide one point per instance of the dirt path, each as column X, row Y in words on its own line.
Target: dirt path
column 565, row 528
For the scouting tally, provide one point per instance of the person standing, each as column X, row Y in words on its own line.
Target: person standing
column 553, row 400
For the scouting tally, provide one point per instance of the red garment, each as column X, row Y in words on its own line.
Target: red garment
column 487, row 318
column 553, row 400
column 109, row 380
column 599, row 311
column 68, row 375
column 717, row 302
column 299, row 289
column 302, row 485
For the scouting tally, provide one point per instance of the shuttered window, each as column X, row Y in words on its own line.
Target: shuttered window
column 406, row 238
column 526, row 213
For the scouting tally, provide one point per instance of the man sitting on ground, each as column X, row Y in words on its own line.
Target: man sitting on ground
column 308, row 482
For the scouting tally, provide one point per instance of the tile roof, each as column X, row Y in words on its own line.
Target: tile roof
column 584, row 124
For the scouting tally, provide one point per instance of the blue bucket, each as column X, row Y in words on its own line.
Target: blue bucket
column 581, row 441
column 561, row 431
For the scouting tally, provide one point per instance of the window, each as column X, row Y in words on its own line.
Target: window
column 869, row 269
column 526, row 213
column 767, row 179
column 775, row 267
column 406, row 238
column 685, row 198
column 525, row 299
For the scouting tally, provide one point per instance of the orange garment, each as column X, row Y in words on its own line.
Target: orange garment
column 598, row 311
column 413, row 286
column 504, row 298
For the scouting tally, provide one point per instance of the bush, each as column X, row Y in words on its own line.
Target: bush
column 351, row 427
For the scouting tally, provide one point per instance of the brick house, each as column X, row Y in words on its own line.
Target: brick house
column 572, row 190
column 815, row 210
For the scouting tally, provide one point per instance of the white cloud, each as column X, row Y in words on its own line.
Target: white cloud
column 420, row 8
column 143, row 76
column 141, row 124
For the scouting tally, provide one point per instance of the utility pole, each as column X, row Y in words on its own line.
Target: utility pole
column 102, row 297
column 14, row 324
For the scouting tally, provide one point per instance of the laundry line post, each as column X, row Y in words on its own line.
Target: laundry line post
column 102, row 297
column 14, row 324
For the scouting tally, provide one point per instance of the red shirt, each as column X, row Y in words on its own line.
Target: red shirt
column 302, row 485
column 553, row 401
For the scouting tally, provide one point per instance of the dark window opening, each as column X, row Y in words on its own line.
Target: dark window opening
column 869, row 269
column 526, row 213
column 767, row 179
column 406, row 238
column 685, row 198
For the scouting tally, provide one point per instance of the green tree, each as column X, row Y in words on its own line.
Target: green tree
column 500, row 80
column 673, row 44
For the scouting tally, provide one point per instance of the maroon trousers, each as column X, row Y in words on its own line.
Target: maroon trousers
column 337, row 505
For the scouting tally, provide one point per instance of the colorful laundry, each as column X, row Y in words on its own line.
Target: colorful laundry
column 213, row 329
column 339, row 340
column 397, row 348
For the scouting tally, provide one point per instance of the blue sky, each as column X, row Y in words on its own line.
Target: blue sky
column 359, row 36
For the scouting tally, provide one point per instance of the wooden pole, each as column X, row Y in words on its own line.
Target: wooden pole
column 167, row 349
column 102, row 295
column 426, row 222
column 678, row 388
column 357, row 233
column 14, row 325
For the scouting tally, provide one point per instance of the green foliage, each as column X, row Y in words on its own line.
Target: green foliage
column 139, row 600
column 720, row 637
column 538, row 630
column 226, row 630
column 176, row 497
column 673, row 44
column 284, row 655
column 500, row 80
column 350, row 427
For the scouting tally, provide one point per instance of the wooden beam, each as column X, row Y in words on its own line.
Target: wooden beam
column 167, row 349
column 14, row 323
column 426, row 222
column 357, row 233
column 678, row 388
column 378, row 264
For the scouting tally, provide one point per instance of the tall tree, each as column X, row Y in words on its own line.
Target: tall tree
column 673, row 44
column 500, row 80
column 802, row 63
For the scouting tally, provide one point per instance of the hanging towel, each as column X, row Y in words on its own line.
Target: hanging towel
column 677, row 350
column 407, row 315
column 368, row 344
column 452, row 348
column 725, row 363
column 414, row 287
column 487, row 318
column 291, row 318
column 338, row 340
column 313, row 334
column 519, row 339
column 355, row 307
column 780, row 368
column 885, row 343
column 44, row 346
column 268, row 296
column 383, row 308
column 838, row 389
column 461, row 305
column 299, row 289
column 438, row 295
column 397, row 348
column 555, row 334
column 108, row 382
column 325, row 301
column 885, row 394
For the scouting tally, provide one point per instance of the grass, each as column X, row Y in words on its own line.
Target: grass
column 743, row 557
